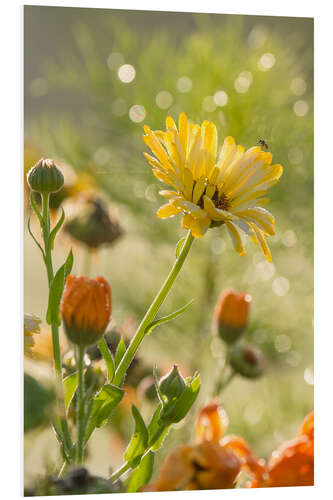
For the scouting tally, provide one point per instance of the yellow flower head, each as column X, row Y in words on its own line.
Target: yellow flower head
column 211, row 190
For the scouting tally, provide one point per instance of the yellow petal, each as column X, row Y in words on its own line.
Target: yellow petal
column 210, row 190
column 188, row 184
column 199, row 189
column 236, row 239
column 170, row 123
column 183, row 131
column 213, row 212
column 168, row 210
column 262, row 242
column 209, row 144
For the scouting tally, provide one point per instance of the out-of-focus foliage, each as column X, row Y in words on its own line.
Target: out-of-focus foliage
column 253, row 76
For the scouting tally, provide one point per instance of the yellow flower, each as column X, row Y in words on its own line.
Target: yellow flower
column 31, row 326
column 210, row 190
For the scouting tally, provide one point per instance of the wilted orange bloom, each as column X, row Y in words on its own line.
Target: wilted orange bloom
column 85, row 308
column 231, row 314
column 211, row 463
column 292, row 464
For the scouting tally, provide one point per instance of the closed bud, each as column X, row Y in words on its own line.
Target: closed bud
column 85, row 309
column 173, row 384
column 247, row 360
column 231, row 315
column 45, row 177
column 95, row 225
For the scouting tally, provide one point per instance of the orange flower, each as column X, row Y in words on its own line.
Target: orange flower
column 292, row 464
column 210, row 464
column 85, row 308
column 231, row 314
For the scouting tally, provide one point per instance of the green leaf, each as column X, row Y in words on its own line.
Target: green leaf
column 103, row 403
column 56, row 289
column 179, row 246
column 35, row 209
column 169, row 317
column 105, row 351
column 139, row 440
column 177, row 410
column 121, row 348
column 35, row 239
column 157, row 430
column 56, row 228
column 142, row 474
column 70, row 385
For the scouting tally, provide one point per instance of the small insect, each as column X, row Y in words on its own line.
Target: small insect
column 263, row 143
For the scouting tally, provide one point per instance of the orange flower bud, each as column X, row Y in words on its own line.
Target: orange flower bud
column 85, row 309
column 231, row 314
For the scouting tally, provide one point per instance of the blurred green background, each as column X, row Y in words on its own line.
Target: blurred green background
column 92, row 79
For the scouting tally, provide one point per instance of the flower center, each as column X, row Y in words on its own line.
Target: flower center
column 221, row 200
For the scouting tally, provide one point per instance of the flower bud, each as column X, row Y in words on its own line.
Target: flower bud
column 247, row 360
column 95, row 225
column 31, row 326
column 85, row 309
column 173, row 384
column 45, row 177
column 231, row 315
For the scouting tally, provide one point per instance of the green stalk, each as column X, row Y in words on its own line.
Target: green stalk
column 54, row 326
column 119, row 472
column 80, row 413
column 152, row 311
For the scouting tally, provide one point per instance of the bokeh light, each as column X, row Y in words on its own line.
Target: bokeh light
column 280, row 286
column 208, row 104
column 184, row 84
column 126, row 73
column 221, row 98
column 298, row 86
column 137, row 113
column 243, row 82
column 301, row 108
column 266, row 62
column 164, row 99
column 115, row 60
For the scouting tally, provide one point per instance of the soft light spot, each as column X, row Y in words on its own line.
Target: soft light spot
column 221, row 98
column 119, row 107
column 308, row 376
column 266, row 270
column 266, row 62
column 301, row 108
column 243, row 82
column 208, row 104
column 293, row 358
column 38, row 87
column 137, row 113
column 257, row 37
column 280, row 286
column 139, row 188
column 126, row 73
column 150, row 192
column 295, row 155
column 282, row 343
column 289, row 238
column 253, row 412
column 102, row 156
column 114, row 60
column 184, row 84
column 164, row 99
column 298, row 86
column 218, row 245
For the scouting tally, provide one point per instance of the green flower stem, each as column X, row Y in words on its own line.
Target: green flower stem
column 80, row 413
column 224, row 380
column 103, row 347
column 54, row 326
column 152, row 311
column 119, row 472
